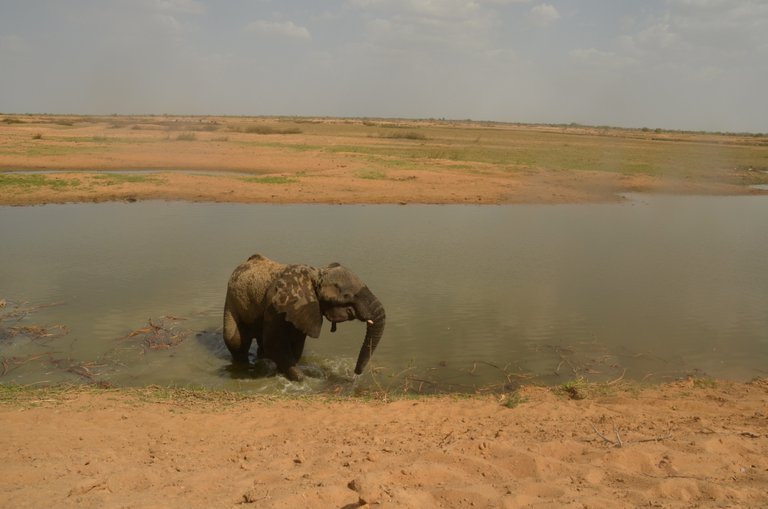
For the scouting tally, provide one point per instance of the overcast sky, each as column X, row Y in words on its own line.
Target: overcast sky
column 679, row 64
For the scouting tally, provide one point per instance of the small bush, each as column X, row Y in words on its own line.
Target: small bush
column 37, row 136
column 574, row 389
column 186, row 137
column 514, row 399
column 408, row 135
column 265, row 129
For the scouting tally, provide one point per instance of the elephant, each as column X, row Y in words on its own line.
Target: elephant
column 280, row 305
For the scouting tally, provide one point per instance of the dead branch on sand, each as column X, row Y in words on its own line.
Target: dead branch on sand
column 621, row 443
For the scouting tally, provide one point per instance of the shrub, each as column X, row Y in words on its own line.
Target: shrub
column 265, row 129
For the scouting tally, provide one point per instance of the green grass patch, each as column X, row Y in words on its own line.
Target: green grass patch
column 514, row 399
column 35, row 181
column 705, row 383
column 574, row 389
column 271, row 179
column 371, row 175
column 56, row 150
column 290, row 147
column 109, row 179
column 407, row 135
column 58, row 394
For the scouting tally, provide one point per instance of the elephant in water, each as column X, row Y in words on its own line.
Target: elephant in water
column 280, row 305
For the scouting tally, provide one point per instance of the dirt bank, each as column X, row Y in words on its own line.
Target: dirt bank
column 689, row 444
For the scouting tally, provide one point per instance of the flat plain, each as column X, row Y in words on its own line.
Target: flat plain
column 331, row 160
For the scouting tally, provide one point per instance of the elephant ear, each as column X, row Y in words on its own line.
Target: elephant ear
column 293, row 293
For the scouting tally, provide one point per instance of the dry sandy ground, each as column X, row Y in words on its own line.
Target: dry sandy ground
column 688, row 444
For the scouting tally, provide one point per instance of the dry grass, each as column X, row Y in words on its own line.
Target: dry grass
column 471, row 147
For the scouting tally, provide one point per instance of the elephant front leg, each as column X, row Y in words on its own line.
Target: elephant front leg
column 284, row 344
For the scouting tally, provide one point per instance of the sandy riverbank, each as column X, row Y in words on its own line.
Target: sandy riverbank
column 694, row 443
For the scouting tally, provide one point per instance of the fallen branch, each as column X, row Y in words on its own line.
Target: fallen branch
column 605, row 438
column 621, row 443
column 612, row 382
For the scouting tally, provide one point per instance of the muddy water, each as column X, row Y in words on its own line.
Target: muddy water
column 477, row 298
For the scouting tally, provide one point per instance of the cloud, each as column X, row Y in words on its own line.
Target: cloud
column 428, row 25
column 720, row 29
column 178, row 6
column 287, row 29
column 544, row 15
column 11, row 44
column 429, row 8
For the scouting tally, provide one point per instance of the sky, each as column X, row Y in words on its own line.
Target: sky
column 671, row 64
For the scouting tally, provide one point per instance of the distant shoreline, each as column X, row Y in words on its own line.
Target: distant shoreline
column 62, row 159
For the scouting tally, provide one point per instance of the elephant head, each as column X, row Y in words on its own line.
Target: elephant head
column 343, row 296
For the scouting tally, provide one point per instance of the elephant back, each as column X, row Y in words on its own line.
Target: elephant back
column 248, row 286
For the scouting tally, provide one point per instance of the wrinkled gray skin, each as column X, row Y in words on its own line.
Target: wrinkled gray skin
column 280, row 305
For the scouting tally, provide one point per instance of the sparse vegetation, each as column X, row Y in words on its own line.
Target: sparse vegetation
column 24, row 181
column 514, row 399
column 110, row 179
column 408, row 135
column 574, row 389
column 371, row 175
column 271, row 179
column 385, row 146
column 705, row 383
column 266, row 129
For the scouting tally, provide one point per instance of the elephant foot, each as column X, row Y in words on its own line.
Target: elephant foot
column 294, row 374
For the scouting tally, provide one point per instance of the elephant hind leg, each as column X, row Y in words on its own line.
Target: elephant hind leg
column 238, row 339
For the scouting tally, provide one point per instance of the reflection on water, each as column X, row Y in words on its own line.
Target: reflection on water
column 477, row 298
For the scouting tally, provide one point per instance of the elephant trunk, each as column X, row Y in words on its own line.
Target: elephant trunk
column 371, row 312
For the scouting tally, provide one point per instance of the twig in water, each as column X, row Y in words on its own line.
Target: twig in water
column 618, row 379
